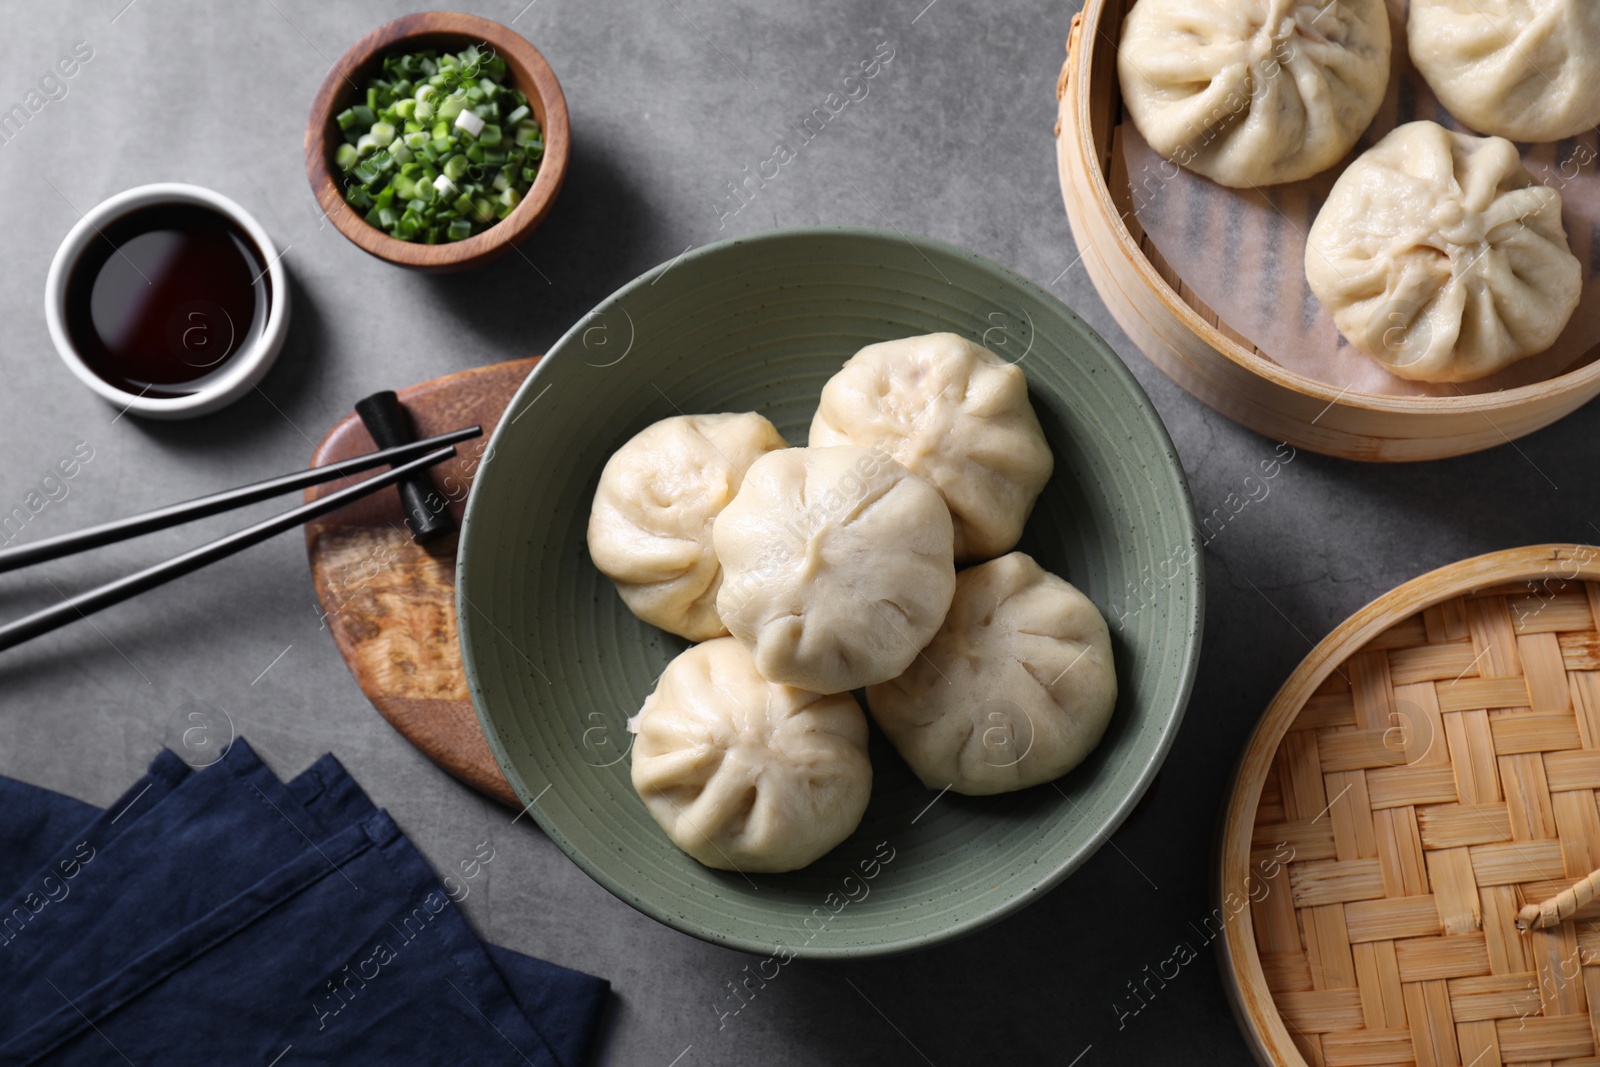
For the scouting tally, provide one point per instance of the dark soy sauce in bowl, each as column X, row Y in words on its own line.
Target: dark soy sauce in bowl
column 164, row 297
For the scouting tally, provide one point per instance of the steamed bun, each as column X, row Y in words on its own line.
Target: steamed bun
column 1016, row 689
column 1528, row 70
column 1254, row 92
column 1441, row 257
column 954, row 414
column 837, row 566
column 650, row 527
column 745, row 774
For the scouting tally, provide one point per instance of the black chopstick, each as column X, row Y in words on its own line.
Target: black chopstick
column 216, row 503
column 115, row 592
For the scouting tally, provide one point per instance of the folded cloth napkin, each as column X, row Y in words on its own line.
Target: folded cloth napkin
column 224, row 915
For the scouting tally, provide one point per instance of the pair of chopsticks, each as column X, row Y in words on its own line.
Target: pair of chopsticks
column 404, row 461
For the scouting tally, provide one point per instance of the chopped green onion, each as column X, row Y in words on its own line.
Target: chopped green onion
column 439, row 147
column 452, row 106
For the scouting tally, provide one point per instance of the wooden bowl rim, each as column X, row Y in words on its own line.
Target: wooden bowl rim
column 1075, row 114
column 1238, row 959
column 497, row 239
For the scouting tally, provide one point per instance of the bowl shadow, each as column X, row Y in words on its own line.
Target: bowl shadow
column 588, row 247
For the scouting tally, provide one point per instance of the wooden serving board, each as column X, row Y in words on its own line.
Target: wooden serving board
column 389, row 602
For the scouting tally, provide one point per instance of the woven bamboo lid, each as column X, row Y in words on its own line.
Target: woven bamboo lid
column 1429, row 769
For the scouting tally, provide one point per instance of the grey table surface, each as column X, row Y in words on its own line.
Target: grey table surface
column 670, row 100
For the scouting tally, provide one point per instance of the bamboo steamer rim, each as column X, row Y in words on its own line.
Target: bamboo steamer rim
column 1239, row 960
column 1074, row 119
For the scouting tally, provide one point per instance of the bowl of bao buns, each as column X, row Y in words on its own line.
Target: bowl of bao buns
column 829, row 593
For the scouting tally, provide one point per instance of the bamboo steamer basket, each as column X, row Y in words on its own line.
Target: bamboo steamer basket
column 1427, row 771
column 1187, row 340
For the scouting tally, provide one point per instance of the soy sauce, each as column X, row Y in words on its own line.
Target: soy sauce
column 164, row 297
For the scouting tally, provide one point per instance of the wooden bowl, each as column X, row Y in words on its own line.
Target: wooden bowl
column 443, row 30
column 1426, row 771
column 1194, row 347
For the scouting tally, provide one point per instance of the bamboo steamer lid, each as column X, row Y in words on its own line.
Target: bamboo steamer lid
column 1428, row 771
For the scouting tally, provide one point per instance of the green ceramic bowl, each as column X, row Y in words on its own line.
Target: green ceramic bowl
column 557, row 664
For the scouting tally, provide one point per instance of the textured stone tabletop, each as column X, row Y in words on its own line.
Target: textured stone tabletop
column 671, row 100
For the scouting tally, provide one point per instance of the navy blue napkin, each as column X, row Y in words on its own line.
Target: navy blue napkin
column 224, row 915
